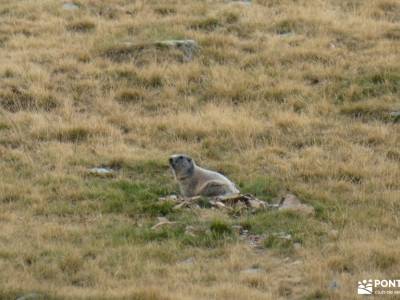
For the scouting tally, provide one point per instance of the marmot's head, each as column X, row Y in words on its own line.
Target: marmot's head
column 182, row 165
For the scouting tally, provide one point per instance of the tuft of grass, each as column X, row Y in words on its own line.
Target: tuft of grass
column 81, row 26
column 220, row 228
column 130, row 95
column 206, row 24
column 165, row 10
column 74, row 134
column 14, row 99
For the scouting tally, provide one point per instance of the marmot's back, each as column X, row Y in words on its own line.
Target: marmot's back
column 209, row 175
column 197, row 181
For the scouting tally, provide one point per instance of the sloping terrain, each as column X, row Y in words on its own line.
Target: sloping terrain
column 300, row 96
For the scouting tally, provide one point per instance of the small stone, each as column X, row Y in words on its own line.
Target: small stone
column 70, row 6
column 252, row 270
column 243, row 2
column 237, row 229
column 297, row 246
column 283, row 236
column 162, row 219
column 291, row 203
column 172, row 198
column 286, row 34
column 102, row 172
column 333, row 234
column 395, row 115
column 188, row 261
column 255, row 240
column 220, row 205
column 30, row 296
column 190, row 230
column 334, row 285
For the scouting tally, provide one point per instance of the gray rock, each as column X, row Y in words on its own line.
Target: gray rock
column 30, row 296
column 291, row 203
column 252, row 270
column 102, row 172
column 70, row 6
column 243, row 2
column 283, row 235
column 188, row 261
column 395, row 115
column 286, row 34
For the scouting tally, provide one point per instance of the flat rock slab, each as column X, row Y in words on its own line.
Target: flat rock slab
column 253, row 270
column 241, row 201
column 242, row 2
column 291, row 203
column 102, row 172
column 31, row 296
column 395, row 115
column 70, row 6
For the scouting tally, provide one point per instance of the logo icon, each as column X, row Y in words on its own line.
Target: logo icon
column 365, row 287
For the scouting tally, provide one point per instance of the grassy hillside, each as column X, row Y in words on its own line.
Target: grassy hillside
column 280, row 95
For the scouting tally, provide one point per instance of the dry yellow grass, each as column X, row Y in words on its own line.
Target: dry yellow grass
column 281, row 95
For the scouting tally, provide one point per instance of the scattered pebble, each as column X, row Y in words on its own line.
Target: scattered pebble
column 282, row 235
column 395, row 115
column 172, row 198
column 252, row 270
column 334, row 285
column 190, row 230
column 188, row 261
column 70, row 6
column 243, row 2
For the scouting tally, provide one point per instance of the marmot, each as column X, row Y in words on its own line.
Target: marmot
column 195, row 181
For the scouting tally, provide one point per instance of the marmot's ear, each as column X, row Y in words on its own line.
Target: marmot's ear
column 190, row 159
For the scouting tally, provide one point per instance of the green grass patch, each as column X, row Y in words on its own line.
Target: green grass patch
column 366, row 85
column 264, row 188
column 206, row 24
column 131, row 198
column 303, row 229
